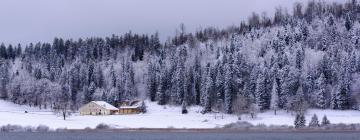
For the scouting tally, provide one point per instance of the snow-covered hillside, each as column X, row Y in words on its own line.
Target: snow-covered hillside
column 157, row 117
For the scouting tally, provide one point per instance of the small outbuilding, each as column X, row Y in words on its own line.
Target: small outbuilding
column 130, row 107
column 98, row 108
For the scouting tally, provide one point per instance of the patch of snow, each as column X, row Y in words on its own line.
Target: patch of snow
column 157, row 117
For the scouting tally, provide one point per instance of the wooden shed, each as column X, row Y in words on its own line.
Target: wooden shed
column 130, row 107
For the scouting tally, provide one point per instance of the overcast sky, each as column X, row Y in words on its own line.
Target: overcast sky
column 24, row 21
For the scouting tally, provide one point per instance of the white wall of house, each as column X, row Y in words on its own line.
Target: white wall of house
column 93, row 109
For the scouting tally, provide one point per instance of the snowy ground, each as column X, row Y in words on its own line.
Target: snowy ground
column 157, row 117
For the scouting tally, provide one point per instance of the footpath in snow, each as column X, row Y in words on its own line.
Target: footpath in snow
column 156, row 117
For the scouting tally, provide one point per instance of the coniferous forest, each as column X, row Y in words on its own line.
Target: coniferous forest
column 309, row 58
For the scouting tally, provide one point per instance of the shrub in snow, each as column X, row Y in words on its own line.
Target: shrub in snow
column 239, row 125
column 102, row 126
column 42, row 128
column 314, row 121
column 184, row 110
column 11, row 128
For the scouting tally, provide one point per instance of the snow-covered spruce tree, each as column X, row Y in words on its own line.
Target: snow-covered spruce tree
column 189, row 86
column 300, row 121
column 129, row 85
column 204, row 80
column 219, row 83
column 298, row 103
column 143, row 107
column 263, row 99
column 151, row 81
column 180, row 75
column 89, row 94
column 325, row 121
column 299, row 59
column 274, row 103
column 321, row 92
column 4, row 80
column 285, row 88
column 250, row 87
column 162, row 87
column 297, row 121
column 160, row 93
column 308, row 85
column 113, row 98
column 207, row 95
column 342, row 94
column 197, row 79
column 314, row 121
column 113, row 77
column 228, row 88
column 99, row 77
column 104, row 96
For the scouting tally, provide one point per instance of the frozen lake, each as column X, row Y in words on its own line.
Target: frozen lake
column 179, row 136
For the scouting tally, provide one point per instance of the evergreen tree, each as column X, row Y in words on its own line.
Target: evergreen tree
column 113, row 76
column 321, row 93
column 325, row 121
column 143, row 107
column 151, row 81
column 263, row 100
column 4, row 80
column 274, row 103
column 207, row 94
column 99, row 78
column 104, row 97
column 160, row 93
column 348, row 22
column 89, row 93
column 129, row 82
column 197, row 80
column 300, row 121
column 314, row 121
column 228, row 88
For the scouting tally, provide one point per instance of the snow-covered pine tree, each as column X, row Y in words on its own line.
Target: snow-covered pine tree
column 297, row 121
column 113, row 98
column 300, row 121
column 180, row 76
column 314, row 121
column 89, row 95
column 151, row 81
column 274, row 103
column 113, row 77
column 321, row 92
column 129, row 85
column 207, row 95
column 189, row 89
column 104, row 97
column 325, row 121
column 4, row 80
column 228, row 88
column 263, row 100
column 143, row 107
column 99, row 77
column 197, row 79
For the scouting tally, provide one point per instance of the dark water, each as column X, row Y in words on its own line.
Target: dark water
column 178, row 136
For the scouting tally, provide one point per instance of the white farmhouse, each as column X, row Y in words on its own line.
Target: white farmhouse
column 98, row 108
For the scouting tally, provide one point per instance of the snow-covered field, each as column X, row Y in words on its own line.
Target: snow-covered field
column 157, row 117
